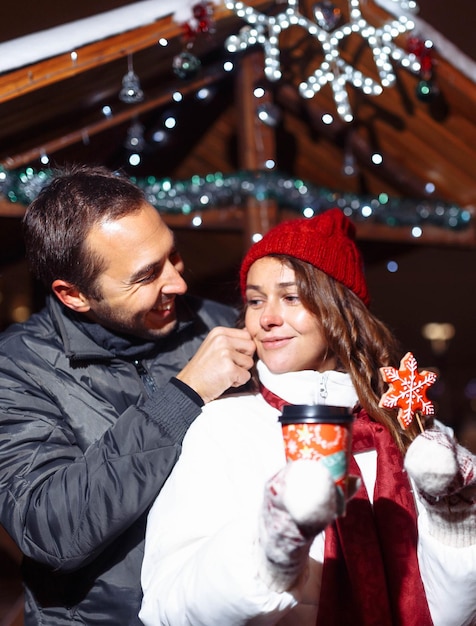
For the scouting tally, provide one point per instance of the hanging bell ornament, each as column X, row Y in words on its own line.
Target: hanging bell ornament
column 131, row 90
column 327, row 15
column 349, row 167
column 185, row 65
column 135, row 137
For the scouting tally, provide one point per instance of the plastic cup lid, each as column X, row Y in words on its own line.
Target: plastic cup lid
column 315, row 414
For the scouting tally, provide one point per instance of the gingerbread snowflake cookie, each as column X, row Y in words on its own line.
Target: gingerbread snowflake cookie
column 407, row 390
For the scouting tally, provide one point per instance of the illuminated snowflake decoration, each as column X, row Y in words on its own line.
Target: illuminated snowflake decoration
column 407, row 390
column 265, row 31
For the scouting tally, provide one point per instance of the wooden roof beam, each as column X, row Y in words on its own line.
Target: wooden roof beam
column 26, row 79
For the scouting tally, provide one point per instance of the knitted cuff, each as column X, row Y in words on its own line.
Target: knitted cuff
column 172, row 410
column 452, row 519
column 283, row 553
column 445, row 475
column 299, row 502
column 191, row 393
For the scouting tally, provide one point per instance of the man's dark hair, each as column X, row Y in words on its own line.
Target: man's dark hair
column 57, row 223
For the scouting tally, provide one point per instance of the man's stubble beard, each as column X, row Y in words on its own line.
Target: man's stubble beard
column 105, row 316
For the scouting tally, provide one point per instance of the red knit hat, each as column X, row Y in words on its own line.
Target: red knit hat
column 327, row 241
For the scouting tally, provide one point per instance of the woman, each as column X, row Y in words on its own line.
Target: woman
column 237, row 536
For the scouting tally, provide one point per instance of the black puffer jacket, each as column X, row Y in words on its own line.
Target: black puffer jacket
column 88, row 435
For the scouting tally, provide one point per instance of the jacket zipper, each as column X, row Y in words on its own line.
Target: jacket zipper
column 146, row 378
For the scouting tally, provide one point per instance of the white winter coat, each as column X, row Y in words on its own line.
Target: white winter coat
column 200, row 562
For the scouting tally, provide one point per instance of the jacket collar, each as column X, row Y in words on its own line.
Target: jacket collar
column 310, row 386
column 85, row 341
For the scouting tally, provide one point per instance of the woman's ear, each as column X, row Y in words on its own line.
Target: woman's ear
column 70, row 296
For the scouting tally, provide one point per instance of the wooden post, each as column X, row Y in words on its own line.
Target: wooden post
column 256, row 142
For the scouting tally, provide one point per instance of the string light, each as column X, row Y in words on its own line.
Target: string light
column 439, row 335
column 296, row 195
column 159, row 136
column 170, row 122
column 269, row 114
column 334, row 70
column 204, row 94
column 134, row 159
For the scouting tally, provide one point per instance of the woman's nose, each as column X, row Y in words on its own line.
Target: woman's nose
column 271, row 316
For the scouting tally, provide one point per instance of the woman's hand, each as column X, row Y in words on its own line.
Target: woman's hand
column 445, row 475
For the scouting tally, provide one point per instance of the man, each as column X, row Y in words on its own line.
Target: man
column 97, row 391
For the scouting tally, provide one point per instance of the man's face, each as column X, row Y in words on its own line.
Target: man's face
column 142, row 275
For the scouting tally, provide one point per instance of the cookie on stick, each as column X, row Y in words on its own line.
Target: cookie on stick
column 407, row 391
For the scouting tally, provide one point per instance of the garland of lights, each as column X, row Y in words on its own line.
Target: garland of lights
column 194, row 196
column 265, row 30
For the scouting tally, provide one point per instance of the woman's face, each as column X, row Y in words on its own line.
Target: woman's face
column 288, row 337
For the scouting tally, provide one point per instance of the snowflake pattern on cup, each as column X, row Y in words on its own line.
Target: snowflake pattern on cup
column 326, row 442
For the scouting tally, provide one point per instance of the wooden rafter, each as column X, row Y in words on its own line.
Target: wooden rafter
column 19, row 82
column 78, row 135
column 24, row 80
column 321, row 145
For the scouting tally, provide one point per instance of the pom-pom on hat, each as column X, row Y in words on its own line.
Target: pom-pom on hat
column 327, row 241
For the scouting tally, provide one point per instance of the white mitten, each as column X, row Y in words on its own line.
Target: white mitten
column 445, row 475
column 299, row 502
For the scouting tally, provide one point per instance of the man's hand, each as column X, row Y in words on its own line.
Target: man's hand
column 223, row 360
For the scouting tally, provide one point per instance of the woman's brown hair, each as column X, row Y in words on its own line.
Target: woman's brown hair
column 361, row 343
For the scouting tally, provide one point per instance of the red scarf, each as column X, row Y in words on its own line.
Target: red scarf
column 371, row 575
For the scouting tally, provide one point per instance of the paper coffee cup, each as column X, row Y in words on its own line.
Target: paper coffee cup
column 319, row 432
